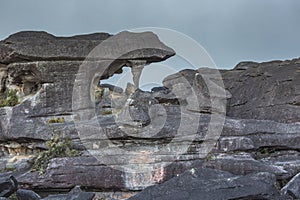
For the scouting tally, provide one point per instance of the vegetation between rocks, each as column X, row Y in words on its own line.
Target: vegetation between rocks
column 265, row 151
column 8, row 169
column 13, row 197
column 56, row 120
column 279, row 184
column 107, row 112
column 9, row 98
column 57, row 148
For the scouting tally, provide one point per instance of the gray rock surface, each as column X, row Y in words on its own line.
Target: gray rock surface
column 241, row 151
column 212, row 184
column 68, row 172
column 260, row 136
column 27, row 195
column 264, row 91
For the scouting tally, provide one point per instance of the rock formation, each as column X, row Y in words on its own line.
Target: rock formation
column 210, row 184
column 150, row 135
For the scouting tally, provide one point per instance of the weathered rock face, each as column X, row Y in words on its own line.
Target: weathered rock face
column 147, row 137
column 246, row 146
column 66, row 173
column 43, row 68
column 268, row 90
column 213, row 184
column 264, row 91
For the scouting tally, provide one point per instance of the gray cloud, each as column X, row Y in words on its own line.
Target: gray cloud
column 231, row 31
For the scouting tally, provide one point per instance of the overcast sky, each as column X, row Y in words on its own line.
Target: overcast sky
column 230, row 30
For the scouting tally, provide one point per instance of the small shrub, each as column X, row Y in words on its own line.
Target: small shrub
column 265, row 151
column 13, row 197
column 57, row 148
column 56, row 120
column 210, row 156
column 9, row 98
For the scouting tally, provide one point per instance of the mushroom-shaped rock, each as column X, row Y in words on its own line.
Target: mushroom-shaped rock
column 134, row 50
column 125, row 48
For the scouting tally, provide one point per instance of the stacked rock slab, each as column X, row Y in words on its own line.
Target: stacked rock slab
column 213, row 184
column 260, row 136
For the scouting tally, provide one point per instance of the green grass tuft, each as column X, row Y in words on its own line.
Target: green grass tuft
column 57, row 148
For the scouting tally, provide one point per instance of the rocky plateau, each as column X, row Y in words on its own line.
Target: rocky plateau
column 204, row 134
